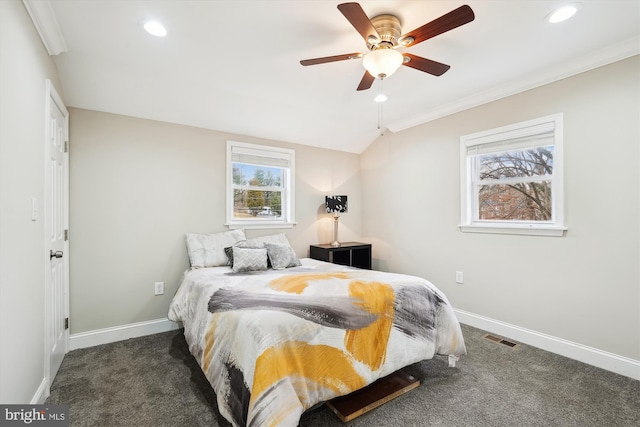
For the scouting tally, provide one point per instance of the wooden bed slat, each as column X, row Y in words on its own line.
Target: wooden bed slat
column 375, row 394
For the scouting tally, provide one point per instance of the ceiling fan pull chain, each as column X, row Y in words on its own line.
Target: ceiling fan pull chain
column 380, row 119
column 380, row 111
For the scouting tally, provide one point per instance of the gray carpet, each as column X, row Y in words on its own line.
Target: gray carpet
column 154, row 381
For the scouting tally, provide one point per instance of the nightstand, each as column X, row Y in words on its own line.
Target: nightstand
column 353, row 254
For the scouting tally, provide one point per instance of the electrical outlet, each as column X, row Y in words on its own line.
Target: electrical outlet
column 34, row 209
column 459, row 277
column 159, row 288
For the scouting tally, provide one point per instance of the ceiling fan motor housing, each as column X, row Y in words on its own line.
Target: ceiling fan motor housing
column 389, row 30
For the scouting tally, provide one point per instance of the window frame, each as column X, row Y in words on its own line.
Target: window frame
column 513, row 135
column 287, row 218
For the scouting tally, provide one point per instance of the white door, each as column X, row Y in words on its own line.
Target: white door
column 56, row 217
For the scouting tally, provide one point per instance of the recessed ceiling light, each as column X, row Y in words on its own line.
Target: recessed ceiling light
column 380, row 98
column 155, row 28
column 563, row 13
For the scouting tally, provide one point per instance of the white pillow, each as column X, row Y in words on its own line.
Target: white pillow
column 207, row 250
column 280, row 239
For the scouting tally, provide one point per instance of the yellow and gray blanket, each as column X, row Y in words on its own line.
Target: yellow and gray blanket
column 275, row 344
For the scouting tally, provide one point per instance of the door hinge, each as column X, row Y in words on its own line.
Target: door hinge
column 66, row 147
column 66, row 235
column 66, row 323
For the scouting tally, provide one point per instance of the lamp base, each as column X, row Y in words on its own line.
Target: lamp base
column 335, row 242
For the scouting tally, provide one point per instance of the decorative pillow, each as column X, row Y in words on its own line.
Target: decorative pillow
column 249, row 259
column 228, row 251
column 281, row 256
column 207, row 250
column 241, row 244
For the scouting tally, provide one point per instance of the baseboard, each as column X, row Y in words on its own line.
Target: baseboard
column 592, row 356
column 119, row 333
column 41, row 393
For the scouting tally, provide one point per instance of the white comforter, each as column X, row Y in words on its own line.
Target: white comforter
column 276, row 343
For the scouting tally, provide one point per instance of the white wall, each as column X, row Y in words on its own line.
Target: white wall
column 24, row 66
column 137, row 186
column 583, row 288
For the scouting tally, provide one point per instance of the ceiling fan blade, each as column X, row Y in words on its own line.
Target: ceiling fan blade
column 360, row 21
column 446, row 22
column 366, row 82
column 426, row 65
column 331, row 59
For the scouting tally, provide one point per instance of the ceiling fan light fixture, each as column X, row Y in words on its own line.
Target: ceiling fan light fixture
column 382, row 63
column 406, row 41
column 373, row 40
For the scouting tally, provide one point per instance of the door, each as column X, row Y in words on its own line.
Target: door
column 56, row 217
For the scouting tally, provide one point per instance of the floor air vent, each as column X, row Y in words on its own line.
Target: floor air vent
column 500, row 340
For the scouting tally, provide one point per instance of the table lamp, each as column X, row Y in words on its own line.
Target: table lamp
column 336, row 205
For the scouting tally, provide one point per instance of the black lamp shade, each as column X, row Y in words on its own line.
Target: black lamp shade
column 336, row 204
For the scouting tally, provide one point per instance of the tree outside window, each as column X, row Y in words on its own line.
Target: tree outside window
column 260, row 186
column 516, row 185
column 512, row 179
column 257, row 191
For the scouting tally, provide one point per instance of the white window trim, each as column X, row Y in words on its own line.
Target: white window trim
column 289, row 209
column 554, row 228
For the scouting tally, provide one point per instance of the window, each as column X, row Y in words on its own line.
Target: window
column 511, row 179
column 260, row 186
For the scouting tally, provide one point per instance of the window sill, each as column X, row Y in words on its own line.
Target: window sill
column 259, row 225
column 518, row 230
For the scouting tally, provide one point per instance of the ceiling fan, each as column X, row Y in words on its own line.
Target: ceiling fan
column 382, row 34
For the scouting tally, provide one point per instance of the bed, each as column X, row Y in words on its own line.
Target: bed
column 276, row 341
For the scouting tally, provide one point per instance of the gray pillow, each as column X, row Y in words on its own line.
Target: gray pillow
column 281, row 256
column 249, row 259
column 229, row 252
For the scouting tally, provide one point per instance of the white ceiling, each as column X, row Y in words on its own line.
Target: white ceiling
column 233, row 66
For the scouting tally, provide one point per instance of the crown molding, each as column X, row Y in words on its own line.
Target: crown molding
column 44, row 19
column 617, row 52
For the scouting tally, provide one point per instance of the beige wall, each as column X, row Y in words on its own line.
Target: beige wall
column 24, row 67
column 137, row 186
column 584, row 287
